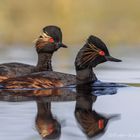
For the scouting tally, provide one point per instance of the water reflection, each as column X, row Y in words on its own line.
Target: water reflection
column 48, row 95
column 92, row 123
column 47, row 126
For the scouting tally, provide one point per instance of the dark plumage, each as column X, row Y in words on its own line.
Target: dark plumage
column 93, row 53
column 47, row 126
column 39, row 80
column 47, row 43
column 8, row 70
column 92, row 123
column 94, row 50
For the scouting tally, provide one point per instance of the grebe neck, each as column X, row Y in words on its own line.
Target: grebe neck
column 44, row 62
column 85, row 76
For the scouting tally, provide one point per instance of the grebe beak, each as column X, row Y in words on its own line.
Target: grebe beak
column 61, row 45
column 113, row 59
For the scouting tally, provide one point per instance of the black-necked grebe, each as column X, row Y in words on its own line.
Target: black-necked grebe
column 47, row 43
column 90, row 55
column 52, row 40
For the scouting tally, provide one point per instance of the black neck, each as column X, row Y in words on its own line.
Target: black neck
column 44, row 62
column 85, row 76
column 43, row 108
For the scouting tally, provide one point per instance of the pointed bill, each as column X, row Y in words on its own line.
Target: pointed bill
column 113, row 59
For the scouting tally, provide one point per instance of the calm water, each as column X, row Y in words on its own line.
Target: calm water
column 17, row 119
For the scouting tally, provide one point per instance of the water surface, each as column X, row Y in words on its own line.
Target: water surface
column 17, row 119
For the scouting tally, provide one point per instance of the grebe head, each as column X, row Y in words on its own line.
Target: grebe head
column 50, row 40
column 93, row 53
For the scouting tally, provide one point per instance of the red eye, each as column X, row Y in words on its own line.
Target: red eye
column 50, row 128
column 101, row 53
column 101, row 124
column 51, row 40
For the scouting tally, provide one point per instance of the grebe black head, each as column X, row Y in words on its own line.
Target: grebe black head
column 93, row 53
column 50, row 40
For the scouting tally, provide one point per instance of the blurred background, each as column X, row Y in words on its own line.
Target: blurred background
column 117, row 22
